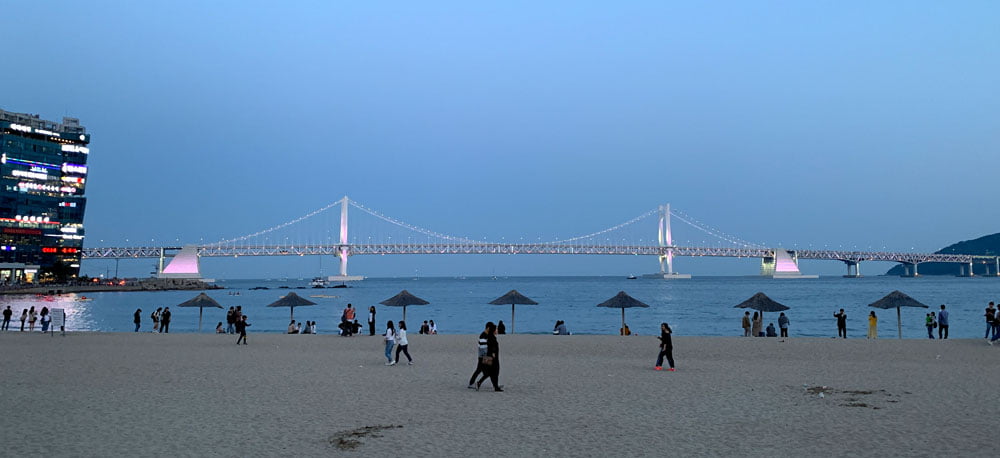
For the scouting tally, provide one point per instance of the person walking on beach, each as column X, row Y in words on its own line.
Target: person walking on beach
column 872, row 325
column 155, row 316
column 943, row 323
column 7, row 313
column 231, row 320
column 989, row 319
column 666, row 348
column 390, row 340
column 491, row 361
column 746, row 324
column 24, row 316
column 758, row 325
column 32, row 317
column 480, row 367
column 841, row 323
column 931, row 324
column 165, row 320
column 371, row 320
column 241, row 328
column 783, row 324
column 137, row 319
column 402, row 345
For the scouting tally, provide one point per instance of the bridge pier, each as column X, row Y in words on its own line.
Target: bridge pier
column 965, row 270
column 910, row 270
column 855, row 266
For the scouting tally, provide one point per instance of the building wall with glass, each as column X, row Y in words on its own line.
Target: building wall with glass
column 43, row 175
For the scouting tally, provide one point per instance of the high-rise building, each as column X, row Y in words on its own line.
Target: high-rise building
column 43, row 169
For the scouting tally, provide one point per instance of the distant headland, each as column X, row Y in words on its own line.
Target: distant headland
column 987, row 245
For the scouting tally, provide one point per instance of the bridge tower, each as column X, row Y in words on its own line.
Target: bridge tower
column 666, row 240
column 344, row 250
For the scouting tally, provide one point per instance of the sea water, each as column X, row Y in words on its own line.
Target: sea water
column 701, row 306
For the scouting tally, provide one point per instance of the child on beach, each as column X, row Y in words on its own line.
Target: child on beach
column 241, row 329
column 390, row 341
column 666, row 348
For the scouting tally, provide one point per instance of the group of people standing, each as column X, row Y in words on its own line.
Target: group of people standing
column 29, row 316
column 754, row 326
column 160, row 317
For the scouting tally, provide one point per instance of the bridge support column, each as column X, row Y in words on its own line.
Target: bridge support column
column 853, row 269
column 965, row 270
column 910, row 269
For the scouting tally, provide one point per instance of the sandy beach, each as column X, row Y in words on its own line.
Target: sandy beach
column 98, row 394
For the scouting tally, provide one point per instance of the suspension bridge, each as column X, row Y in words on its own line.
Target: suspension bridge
column 184, row 261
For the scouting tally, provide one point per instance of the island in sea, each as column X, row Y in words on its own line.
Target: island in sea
column 987, row 245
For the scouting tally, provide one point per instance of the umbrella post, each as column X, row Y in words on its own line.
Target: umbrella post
column 511, row 318
column 404, row 313
column 200, row 311
column 899, row 323
column 291, row 313
column 622, row 330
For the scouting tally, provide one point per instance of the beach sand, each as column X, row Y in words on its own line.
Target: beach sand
column 105, row 394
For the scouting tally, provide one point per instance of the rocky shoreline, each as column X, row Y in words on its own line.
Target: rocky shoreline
column 147, row 284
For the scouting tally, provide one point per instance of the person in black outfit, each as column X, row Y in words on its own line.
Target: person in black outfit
column 137, row 319
column 491, row 361
column 241, row 329
column 371, row 320
column 165, row 320
column 7, row 312
column 483, row 339
column 841, row 323
column 501, row 328
column 666, row 348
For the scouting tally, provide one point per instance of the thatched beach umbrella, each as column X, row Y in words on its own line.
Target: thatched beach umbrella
column 897, row 299
column 291, row 300
column 761, row 303
column 201, row 301
column 403, row 299
column 512, row 297
column 622, row 301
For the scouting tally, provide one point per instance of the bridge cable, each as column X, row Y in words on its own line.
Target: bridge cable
column 274, row 228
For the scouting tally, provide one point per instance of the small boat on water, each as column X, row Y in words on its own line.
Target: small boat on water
column 631, row 277
column 318, row 282
column 324, row 296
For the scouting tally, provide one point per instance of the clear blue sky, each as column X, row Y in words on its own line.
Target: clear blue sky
column 868, row 124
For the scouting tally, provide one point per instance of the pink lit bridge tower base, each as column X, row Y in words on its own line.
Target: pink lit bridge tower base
column 344, row 251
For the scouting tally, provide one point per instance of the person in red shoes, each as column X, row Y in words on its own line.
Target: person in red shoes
column 666, row 348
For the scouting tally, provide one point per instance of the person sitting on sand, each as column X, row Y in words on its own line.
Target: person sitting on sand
column 560, row 329
column 292, row 328
column 425, row 328
column 219, row 329
column 356, row 326
column 771, row 332
column 433, row 328
column 625, row 331
column 501, row 328
column 306, row 329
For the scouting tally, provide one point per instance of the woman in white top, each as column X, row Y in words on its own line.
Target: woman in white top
column 433, row 328
column 402, row 343
column 390, row 340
